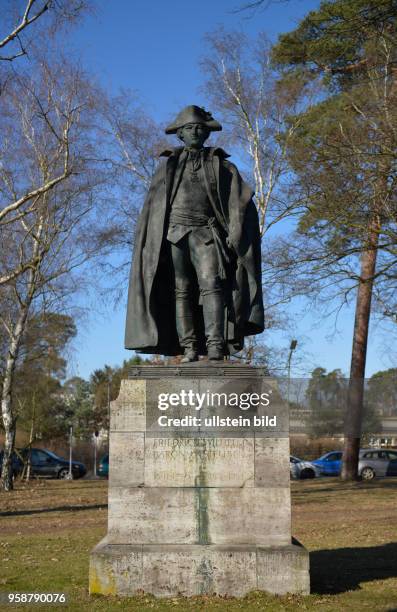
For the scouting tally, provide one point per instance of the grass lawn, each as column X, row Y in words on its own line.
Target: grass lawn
column 49, row 527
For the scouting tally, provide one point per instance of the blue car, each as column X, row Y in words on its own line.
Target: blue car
column 103, row 468
column 330, row 464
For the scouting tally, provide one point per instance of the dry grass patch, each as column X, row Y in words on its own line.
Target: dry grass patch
column 49, row 527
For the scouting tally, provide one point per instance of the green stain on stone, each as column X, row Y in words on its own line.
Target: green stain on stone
column 202, row 493
column 203, row 520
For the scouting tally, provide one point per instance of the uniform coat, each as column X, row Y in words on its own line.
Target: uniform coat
column 150, row 325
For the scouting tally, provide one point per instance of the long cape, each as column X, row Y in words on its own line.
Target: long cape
column 150, row 324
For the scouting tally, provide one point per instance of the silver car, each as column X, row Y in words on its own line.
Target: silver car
column 377, row 462
column 302, row 469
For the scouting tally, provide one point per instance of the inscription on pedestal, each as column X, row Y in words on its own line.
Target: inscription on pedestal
column 204, row 462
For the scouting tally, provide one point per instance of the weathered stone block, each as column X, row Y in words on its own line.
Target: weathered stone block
column 202, row 515
column 126, row 459
column 283, row 569
column 128, row 411
column 169, row 570
column 246, row 516
column 271, row 467
column 152, row 516
column 115, row 569
column 198, row 570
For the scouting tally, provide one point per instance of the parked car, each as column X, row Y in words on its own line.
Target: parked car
column 103, row 467
column 329, row 464
column 377, row 462
column 47, row 464
column 300, row 469
column 17, row 464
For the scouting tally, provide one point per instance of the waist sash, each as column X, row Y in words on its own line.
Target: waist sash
column 193, row 219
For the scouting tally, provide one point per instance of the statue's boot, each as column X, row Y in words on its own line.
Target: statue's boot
column 185, row 326
column 214, row 320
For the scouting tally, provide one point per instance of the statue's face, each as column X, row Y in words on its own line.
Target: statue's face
column 193, row 135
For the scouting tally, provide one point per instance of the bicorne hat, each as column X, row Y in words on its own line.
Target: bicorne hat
column 193, row 114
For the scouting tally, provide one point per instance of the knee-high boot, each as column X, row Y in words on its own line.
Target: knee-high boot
column 185, row 324
column 214, row 320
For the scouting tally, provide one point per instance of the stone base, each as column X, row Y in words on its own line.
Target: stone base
column 168, row 570
column 204, row 511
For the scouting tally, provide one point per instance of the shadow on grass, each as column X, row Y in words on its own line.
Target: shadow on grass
column 336, row 485
column 342, row 569
column 55, row 509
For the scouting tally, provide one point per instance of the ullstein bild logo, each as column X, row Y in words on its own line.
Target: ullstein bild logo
column 191, row 399
column 217, row 421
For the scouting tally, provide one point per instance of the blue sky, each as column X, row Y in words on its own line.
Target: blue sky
column 154, row 48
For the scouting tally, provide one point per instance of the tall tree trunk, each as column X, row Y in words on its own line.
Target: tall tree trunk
column 9, row 419
column 16, row 334
column 31, row 438
column 355, row 395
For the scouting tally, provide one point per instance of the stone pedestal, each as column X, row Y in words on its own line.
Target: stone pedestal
column 198, row 510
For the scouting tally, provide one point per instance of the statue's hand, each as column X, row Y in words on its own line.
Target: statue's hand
column 230, row 245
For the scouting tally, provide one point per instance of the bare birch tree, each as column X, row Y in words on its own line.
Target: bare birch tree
column 22, row 188
column 54, row 121
column 242, row 88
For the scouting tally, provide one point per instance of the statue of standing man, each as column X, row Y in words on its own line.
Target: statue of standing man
column 195, row 286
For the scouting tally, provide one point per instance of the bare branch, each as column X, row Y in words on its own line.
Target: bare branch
column 33, row 194
column 25, row 22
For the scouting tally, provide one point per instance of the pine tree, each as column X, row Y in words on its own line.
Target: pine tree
column 344, row 156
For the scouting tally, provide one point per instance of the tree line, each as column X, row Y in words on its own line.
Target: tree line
column 312, row 116
column 326, row 397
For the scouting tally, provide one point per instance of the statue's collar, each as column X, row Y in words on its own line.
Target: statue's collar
column 210, row 152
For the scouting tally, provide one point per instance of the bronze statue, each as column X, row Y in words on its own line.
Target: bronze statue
column 195, row 285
